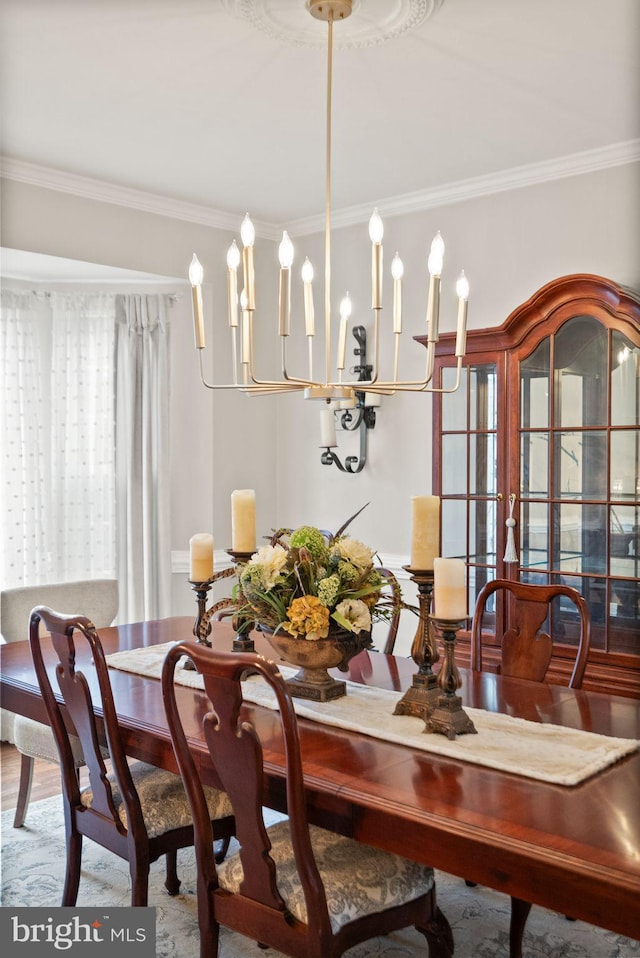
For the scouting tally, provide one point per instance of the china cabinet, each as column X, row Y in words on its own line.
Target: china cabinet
column 545, row 428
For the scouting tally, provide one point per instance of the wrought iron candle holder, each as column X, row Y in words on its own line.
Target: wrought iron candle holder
column 449, row 718
column 242, row 624
column 202, row 622
column 422, row 697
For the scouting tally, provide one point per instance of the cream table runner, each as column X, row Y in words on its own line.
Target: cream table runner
column 550, row 753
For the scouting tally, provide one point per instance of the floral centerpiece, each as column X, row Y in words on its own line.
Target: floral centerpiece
column 308, row 588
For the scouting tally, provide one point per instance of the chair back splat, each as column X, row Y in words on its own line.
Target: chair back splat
column 281, row 887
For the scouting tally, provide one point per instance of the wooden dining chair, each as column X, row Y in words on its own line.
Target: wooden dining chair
column 137, row 811
column 525, row 649
column 98, row 599
column 526, row 652
column 299, row 888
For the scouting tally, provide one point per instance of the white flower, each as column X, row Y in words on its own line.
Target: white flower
column 360, row 555
column 271, row 560
column 356, row 614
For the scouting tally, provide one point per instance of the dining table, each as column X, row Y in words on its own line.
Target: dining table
column 572, row 848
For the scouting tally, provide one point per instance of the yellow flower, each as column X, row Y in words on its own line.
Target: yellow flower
column 308, row 617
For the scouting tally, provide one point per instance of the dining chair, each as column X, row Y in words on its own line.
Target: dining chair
column 306, row 891
column 525, row 652
column 137, row 811
column 525, row 649
column 98, row 599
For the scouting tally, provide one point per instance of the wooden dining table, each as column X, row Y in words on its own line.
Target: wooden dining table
column 573, row 849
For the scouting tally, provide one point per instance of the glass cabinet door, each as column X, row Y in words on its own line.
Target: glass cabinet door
column 579, row 458
column 468, row 483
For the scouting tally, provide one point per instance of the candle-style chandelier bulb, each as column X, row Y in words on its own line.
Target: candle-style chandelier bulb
column 285, row 251
column 196, row 272
column 436, row 256
column 307, row 271
column 243, row 299
column 247, row 232
column 233, row 256
column 462, row 287
column 397, row 267
column 376, row 228
column 346, row 307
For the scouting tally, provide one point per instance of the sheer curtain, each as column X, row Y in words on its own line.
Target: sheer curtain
column 142, row 457
column 57, row 518
column 23, row 550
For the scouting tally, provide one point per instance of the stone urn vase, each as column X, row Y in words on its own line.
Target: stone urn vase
column 313, row 657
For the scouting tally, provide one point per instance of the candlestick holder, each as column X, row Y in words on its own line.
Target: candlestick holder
column 243, row 624
column 449, row 718
column 422, row 697
column 202, row 622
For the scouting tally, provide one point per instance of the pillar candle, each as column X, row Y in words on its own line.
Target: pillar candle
column 425, row 538
column 243, row 520
column 327, row 428
column 449, row 592
column 201, row 557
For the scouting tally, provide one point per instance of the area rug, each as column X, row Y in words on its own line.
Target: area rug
column 32, row 861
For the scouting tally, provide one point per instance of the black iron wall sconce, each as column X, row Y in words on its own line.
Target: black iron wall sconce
column 361, row 416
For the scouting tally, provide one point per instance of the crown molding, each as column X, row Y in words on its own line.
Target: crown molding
column 88, row 188
column 575, row 164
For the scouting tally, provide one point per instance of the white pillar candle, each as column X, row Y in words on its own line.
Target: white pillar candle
column 425, row 534
column 243, row 520
column 449, row 592
column 201, row 557
column 327, row 428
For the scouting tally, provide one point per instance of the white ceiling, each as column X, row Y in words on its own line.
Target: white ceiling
column 188, row 100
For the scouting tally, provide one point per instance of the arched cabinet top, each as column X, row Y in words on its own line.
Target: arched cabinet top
column 579, row 294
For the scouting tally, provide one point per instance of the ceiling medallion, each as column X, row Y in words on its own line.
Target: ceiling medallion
column 378, row 21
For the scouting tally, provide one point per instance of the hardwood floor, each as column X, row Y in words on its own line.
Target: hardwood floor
column 46, row 778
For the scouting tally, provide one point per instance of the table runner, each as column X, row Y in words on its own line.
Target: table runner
column 550, row 753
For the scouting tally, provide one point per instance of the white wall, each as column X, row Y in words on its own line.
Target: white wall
column 509, row 244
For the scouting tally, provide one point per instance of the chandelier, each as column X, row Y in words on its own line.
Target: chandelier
column 330, row 387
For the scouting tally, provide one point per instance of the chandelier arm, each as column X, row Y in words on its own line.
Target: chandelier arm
column 285, row 375
column 271, row 385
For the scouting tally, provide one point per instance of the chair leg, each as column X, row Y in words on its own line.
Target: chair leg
column 519, row 914
column 24, row 789
column 439, row 936
column 72, row 876
column 139, row 872
column 172, row 882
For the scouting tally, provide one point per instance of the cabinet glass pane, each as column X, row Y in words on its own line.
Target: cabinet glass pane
column 454, row 410
column 534, row 535
column 477, row 578
column 624, row 541
column 454, row 527
column 454, row 465
column 482, row 531
column 580, row 538
column 624, row 612
column 534, row 464
column 625, row 464
column 534, row 388
column 483, row 397
column 581, row 465
column 580, row 373
column 625, row 382
column 483, row 464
